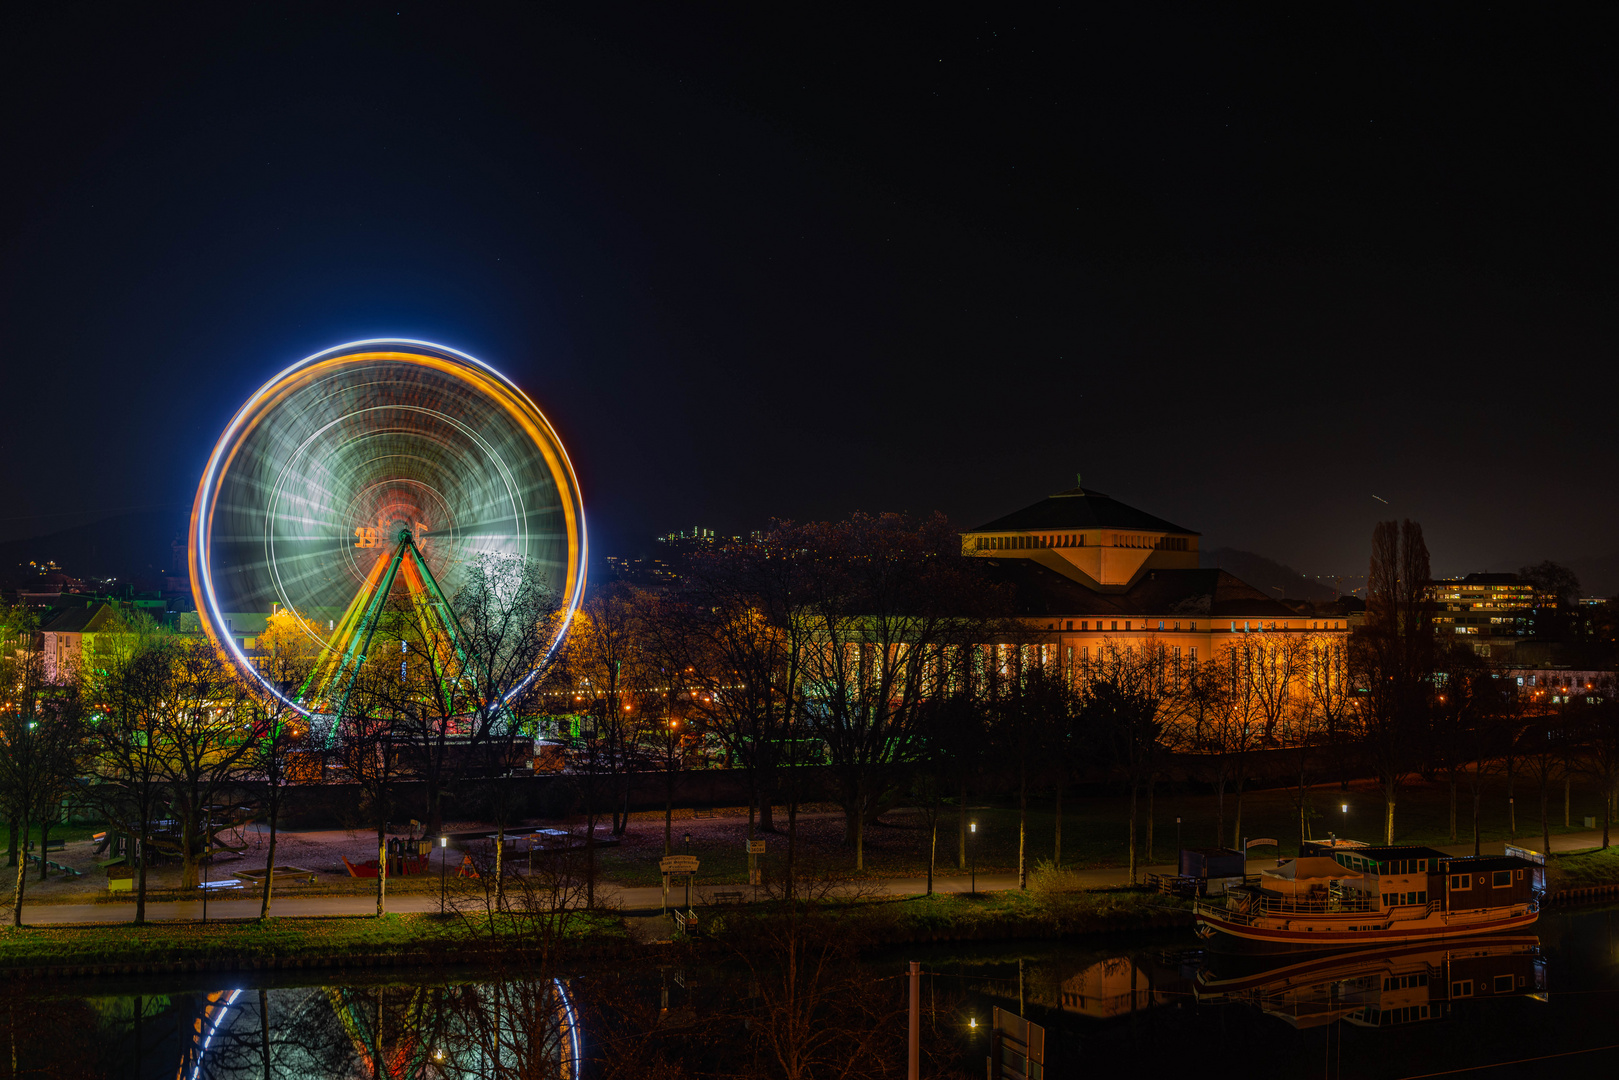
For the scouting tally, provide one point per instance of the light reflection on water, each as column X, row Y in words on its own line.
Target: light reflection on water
column 1162, row 1000
column 1124, row 1002
column 429, row 1029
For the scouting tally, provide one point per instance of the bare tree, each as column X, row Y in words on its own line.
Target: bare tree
column 509, row 616
column 42, row 727
column 204, row 723
column 740, row 643
column 278, row 729
column 606, row 664
column 889, row 596
column 1123, row 700
column 367, row 752
column 1392, row 656
column 128, row 685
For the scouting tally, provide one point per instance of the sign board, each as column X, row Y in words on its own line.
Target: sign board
column 756, row 847
column 678, row 864
column 1263, row 841
column 1017, row 1048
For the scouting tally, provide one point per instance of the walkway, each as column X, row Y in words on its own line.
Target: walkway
column 631, row 900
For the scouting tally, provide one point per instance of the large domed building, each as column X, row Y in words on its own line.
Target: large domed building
column 1094, row 570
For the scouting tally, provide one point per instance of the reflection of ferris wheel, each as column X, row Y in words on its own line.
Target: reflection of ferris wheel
column 368, row 465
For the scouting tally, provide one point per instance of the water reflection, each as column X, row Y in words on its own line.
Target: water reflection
column 1383, row 988
column 524, row 1029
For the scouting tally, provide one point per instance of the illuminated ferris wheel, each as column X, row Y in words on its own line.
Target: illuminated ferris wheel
column 366, row 468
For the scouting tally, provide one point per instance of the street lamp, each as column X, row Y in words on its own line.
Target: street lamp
column 688, row 874
column 973, row 843
column 443, row 857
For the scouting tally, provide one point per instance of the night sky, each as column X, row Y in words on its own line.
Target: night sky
column 1243, row 269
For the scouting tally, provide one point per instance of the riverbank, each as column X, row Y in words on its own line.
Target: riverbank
column 342, row 941
column 1003, row 916
column 418, row 939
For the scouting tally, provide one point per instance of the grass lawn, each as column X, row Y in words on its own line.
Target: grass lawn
column 1036, row 913
column 123, row 943
column 1581, row 869
column 1095, row 830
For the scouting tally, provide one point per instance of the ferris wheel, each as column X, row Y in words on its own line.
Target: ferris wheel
column 370, row 465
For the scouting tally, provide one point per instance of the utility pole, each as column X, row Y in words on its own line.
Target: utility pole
column 914, row 1072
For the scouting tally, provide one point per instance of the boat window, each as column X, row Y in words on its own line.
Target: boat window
column 1461, row 988
column 1422, row 866
column 1501, row 880
column 1503, row 984
column 1461, row 881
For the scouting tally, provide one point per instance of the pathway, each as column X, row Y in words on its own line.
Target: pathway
column 638, row 901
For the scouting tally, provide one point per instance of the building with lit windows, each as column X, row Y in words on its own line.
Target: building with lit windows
column 1099, row 573
column 1492, row 611
column 71, row 638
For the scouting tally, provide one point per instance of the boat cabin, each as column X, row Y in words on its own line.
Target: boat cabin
column 1490, row 881
column 1406, row 875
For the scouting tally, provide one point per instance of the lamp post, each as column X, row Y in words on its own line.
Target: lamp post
column 972, row 827
column 688, row 875
column 443, row 857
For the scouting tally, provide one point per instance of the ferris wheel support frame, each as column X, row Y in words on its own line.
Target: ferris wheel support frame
column 356, row 657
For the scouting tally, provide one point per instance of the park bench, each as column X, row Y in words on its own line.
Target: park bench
column 725, row 898
column 702, row 812
column 53, row 865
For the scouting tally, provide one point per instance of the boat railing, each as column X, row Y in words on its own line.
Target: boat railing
column 1268, row 908
column 1331, row 906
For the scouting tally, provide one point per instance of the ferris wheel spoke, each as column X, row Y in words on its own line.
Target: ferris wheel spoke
column 350, row 461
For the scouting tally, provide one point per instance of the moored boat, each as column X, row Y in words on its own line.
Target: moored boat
column 1340, row 894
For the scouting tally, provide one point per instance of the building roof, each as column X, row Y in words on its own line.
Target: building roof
column 1464, row 863
column 1210, row 594
column 1387, row 852
column 1078, row 508
column 82, row 620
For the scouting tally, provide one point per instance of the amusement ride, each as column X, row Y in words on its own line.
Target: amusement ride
column 365, row 467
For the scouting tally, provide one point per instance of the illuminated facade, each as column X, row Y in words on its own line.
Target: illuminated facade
column 72, row 636
column 1098, row 574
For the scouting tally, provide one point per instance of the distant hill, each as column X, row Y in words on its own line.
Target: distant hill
column 1267, row 575
column 135, row 548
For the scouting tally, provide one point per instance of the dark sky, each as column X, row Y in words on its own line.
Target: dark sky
column 1244, row 270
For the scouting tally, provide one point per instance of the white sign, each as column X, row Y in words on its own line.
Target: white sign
column 678, row 864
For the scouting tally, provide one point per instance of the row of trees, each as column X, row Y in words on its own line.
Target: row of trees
column 874, row 643
column 160, row 735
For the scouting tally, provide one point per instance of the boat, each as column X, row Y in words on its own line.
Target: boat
column 1342, row 894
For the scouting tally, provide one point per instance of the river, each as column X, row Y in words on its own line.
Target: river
column 1138, row 1004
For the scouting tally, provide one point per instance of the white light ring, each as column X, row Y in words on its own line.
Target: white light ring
column 198, row 533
